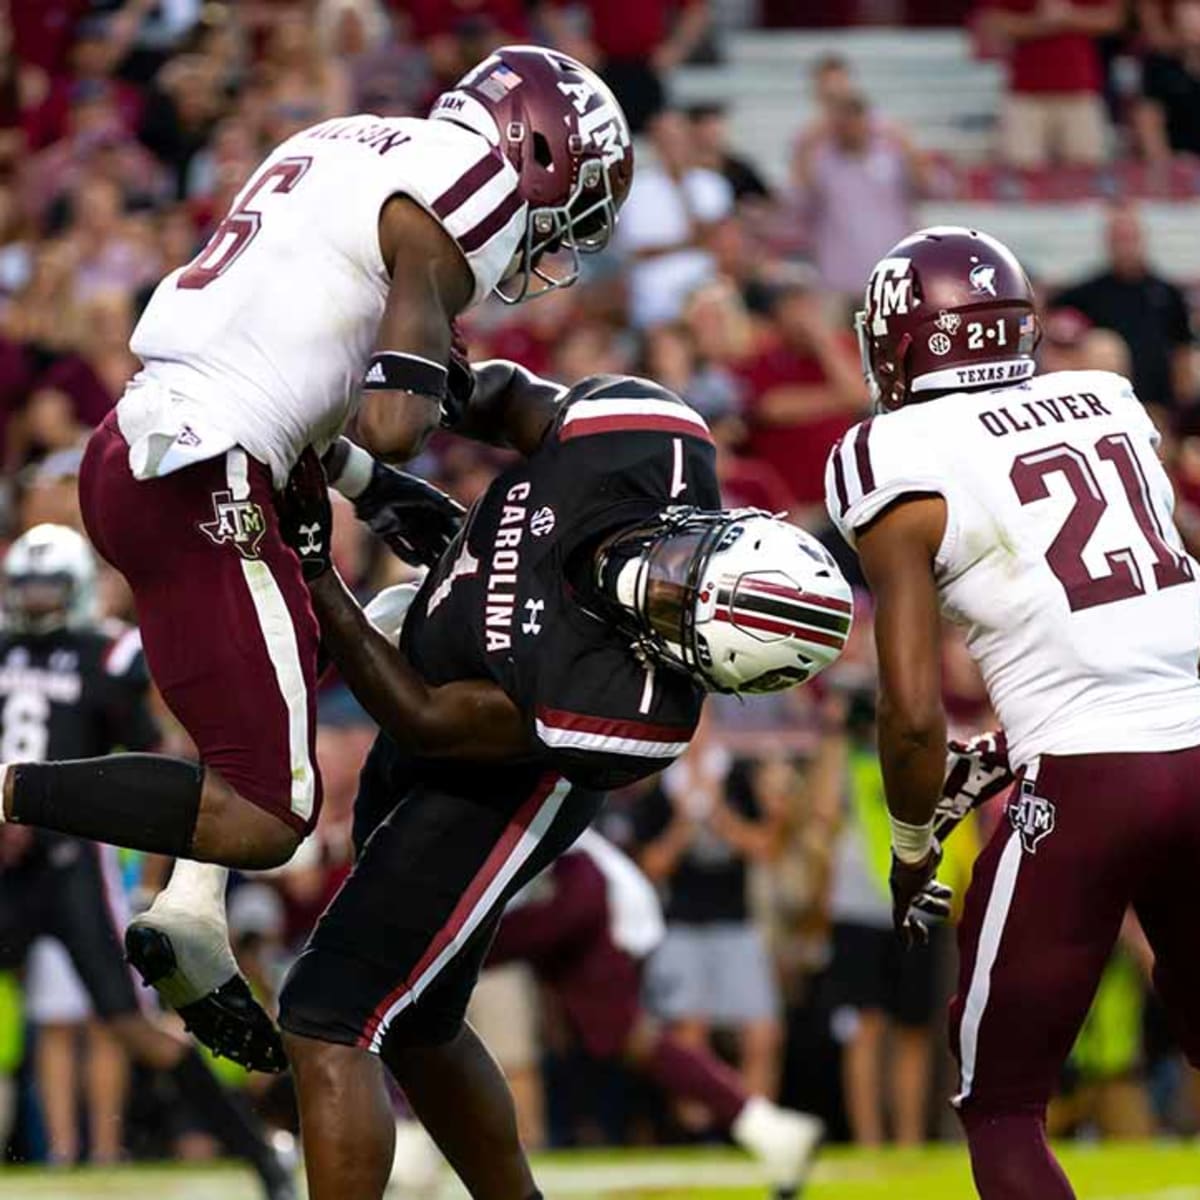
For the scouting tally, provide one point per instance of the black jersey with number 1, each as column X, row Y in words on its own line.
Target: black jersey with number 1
column 501, row 605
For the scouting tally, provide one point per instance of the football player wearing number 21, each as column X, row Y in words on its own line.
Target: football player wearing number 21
column 326, row 296
column 1032, row 510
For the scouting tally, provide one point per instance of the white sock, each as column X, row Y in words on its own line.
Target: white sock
column 199, row 887
column 747, row 1125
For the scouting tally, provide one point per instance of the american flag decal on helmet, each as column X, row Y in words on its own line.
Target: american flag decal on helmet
column 775, row 606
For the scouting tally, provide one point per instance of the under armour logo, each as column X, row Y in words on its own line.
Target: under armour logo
column 311, row 543
column 1032, row 816
column 532, row 625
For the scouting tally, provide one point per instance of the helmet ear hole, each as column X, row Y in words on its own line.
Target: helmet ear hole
column 541, row 150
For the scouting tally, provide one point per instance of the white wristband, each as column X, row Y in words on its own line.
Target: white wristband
column 355, row 474
column 911, row 843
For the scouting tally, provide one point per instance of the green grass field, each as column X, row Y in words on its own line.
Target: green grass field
column 1132, row 1172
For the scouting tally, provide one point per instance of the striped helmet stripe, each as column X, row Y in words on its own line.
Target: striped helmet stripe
column 796, row 629
column 791, row 593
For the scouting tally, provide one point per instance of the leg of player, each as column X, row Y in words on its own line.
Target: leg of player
column 1045, row 904
column 459, row 1094
column 84, row 915
column 154, row 1047
column 169, row 806
column 784, row 1142
column 600, row 990
column 231, row 640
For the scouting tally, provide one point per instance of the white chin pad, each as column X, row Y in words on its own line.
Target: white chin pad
column 627, row 585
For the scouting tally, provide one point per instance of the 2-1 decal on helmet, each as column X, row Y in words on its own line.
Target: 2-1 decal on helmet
column 947, row 309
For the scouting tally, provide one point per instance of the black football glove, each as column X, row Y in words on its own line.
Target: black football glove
column 413, row 518
column 306, row 517
column 916, row 894
column 460, row 385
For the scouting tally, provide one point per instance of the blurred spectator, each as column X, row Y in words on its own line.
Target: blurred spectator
column 885, row 997
column 587, row 349
column 184, row 107
column 97, row 47
column 710, row 140
column 1167, row 119
column 113, row 250
column 698, row 832
column 94, row 144
column 387, row 73
column 632, row 45
column 1149, row 312
column 803, row 391
column 456, row 34
column 1063, row 333
column 77, row 391
column 77, row 1059
column 856, row 179
column 666, row 222
column 1054, row 108
column 532, row 332
column 831, row 81
column 670, row 358
column 303, row 87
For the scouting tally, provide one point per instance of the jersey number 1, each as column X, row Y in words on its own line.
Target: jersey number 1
column 240, row 226
column 1064, row 555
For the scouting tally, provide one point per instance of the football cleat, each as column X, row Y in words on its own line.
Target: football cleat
column 784, row 1142
column 187, row 960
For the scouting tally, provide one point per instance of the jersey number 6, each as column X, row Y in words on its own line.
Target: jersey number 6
column 240, row 226
column 1064, row 555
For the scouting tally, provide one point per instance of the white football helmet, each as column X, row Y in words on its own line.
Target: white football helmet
column 740, row 600
column 49, row 581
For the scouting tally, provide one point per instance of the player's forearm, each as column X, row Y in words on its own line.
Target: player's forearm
column 912, row 754
column 510, row 406
column 381, row 678
column 394, row 426
column 469, row 719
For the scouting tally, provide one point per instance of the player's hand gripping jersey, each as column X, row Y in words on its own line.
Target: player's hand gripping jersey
column 262, row 339
column 1060, row 555
column 501, row 605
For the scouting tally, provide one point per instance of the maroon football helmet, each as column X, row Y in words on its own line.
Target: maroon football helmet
column 947, row 310
column 567, row 138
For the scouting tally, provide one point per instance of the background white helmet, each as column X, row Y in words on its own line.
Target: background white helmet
column 49, row 581
column 742, row 601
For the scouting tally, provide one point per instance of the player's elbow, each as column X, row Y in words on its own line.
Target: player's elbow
column 393, row 426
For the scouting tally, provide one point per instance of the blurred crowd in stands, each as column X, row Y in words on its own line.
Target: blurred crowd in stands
column 126, row 128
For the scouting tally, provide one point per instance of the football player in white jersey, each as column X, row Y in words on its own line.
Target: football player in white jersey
column 1032, row 510
column 328, row 292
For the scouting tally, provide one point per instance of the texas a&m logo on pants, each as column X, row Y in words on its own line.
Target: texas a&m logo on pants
column 1032, row 816
column 238, row 521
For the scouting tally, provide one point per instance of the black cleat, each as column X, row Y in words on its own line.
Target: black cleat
column 228, row 1020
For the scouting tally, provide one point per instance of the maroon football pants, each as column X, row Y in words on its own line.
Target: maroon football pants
column 1092, row 835
column 227, row 625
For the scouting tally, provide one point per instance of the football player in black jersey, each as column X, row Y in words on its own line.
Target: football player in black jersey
column 563, row 645
column 70, row 689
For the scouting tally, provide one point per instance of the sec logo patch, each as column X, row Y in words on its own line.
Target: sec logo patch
column 542, row 521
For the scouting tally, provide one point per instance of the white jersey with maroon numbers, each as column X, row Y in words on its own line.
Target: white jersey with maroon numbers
column 262, row 340
column 1060, row 557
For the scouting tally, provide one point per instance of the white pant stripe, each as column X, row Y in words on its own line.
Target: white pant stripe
column 275, row 621
column 525, row 846
column 994, row 919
